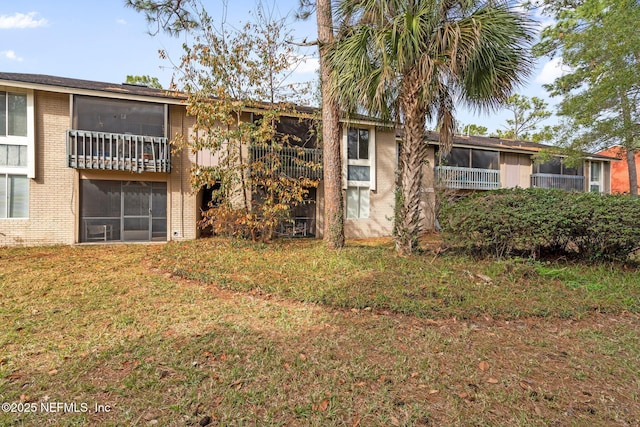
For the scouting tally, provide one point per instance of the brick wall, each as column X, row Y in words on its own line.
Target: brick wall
column 53, row 192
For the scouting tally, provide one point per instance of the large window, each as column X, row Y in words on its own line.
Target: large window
column 16, row 147
column 358, row 161
column 471, row 158
column 360, row 171
column 118, row 116
column 357, row 202
column 13, row 114
column 595, row 177
column 14, row 196
column 556, row 166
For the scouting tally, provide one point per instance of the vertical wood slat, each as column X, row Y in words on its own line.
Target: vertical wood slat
column 467, row 178
column 110, row 151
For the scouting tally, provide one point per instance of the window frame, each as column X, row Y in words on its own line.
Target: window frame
column 370, row 162
column 8, row 197
column 362, row 191
column 599, row 182
column 27, row 141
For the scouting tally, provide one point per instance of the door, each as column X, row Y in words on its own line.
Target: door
column 136, row 211
column 513, row 171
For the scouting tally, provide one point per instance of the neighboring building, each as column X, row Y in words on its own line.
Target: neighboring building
column 84, row 161
column 620, row 169
column 478, row 163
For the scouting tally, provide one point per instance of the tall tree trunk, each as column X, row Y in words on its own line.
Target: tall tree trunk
column 628, row 124
column 332, row 161
column 412, row 158
column 633, row 171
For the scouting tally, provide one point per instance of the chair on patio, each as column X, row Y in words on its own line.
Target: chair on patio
column 102, row 232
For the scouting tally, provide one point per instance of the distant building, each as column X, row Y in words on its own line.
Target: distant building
column 620, row 170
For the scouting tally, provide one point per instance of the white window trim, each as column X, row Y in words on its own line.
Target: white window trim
column 371, row 162
column 29, row 140
column 361, row 190
column 600, row 179
column 8, row 195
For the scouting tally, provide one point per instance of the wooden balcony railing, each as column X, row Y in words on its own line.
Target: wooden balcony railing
column 563, row 182
column 467, row 178
column 121, row 152
column 294, row 162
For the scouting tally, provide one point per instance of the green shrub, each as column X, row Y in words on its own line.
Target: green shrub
column 542, row 222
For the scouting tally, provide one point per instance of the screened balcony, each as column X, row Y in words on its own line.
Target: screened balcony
column 115, row 151
column 467, row 178
column 562, row 182
column 294, row 162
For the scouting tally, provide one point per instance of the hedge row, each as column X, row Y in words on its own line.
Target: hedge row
column 542, row 222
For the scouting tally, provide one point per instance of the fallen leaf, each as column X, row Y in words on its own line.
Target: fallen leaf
column 53, row 372
column 322, row 406
column 483, row 366
column 303, row 356
column 433, row 391
column 493, row 381
column 356, row 423
column 463, row 395
column 395, row 421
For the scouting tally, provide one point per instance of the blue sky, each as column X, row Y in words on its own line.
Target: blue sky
column 104, row 41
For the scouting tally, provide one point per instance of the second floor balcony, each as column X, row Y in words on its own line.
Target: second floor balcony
column 294, row 162
column 562, row 182
column 467, row 178
column 115, row 151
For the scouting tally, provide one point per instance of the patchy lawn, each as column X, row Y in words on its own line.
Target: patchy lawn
column 292, row 334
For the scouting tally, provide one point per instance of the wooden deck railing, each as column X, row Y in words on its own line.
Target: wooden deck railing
column 563, row 182
column 293, row 162
column 114, row 151
column 467, row 178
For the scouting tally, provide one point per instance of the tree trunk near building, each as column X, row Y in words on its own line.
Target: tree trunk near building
column 412, row 158
column 633, row 172
column 332, row 161
column 629, row 125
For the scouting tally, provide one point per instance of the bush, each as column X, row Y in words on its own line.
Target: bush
column 542, row 222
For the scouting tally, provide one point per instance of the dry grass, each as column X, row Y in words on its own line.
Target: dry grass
column 106, row 325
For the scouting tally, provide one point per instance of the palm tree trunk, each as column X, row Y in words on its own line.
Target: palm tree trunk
column 332, row 161
column 412, row 157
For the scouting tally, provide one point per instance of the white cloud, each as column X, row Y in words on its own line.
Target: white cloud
column 121, row 21
column 9, row 54
column 551, row 71
column 21, row 20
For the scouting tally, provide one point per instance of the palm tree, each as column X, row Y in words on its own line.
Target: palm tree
column 409, row 61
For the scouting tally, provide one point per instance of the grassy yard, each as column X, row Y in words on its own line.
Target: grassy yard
column 291, row 334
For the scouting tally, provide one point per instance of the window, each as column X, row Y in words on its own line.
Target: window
column 13, row 155
column 357, row 202
column 13, row 114
column 470, row 158
column 360, row 154
column 358, row 143
column 595, row 177
column 118, row 116
column 16, row 134
column 556, row 166
column 14, row 196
